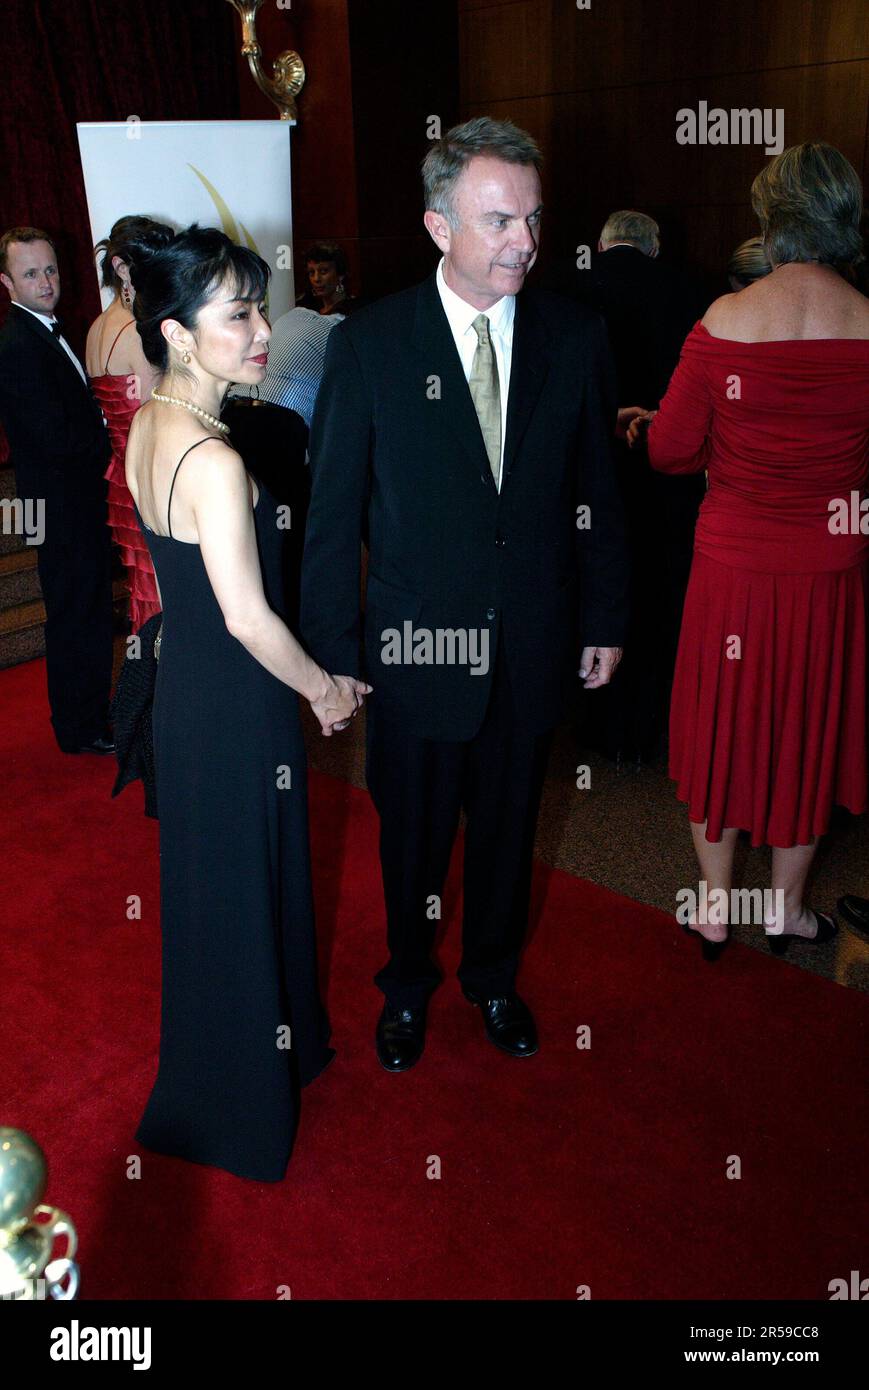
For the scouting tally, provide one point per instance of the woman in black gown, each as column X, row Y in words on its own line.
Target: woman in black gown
column 242, row 1024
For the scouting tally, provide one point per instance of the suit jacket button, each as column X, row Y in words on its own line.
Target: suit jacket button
column 490, row 613
column 499, row 540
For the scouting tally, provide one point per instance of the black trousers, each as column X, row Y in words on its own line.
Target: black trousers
column 419, row 786
column 630, row 716
column 74, row 564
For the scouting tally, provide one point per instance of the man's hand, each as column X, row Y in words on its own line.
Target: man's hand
column 626, row 417
column 598, row 665
column 638, row 426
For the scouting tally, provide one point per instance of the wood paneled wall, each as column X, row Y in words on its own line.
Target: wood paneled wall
column 600, row 89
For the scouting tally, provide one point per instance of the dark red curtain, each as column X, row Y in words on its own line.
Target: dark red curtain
column 98, row 60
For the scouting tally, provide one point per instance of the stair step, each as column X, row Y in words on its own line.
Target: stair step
column 18, row 560
column 19, row 578
column 11, row 542
column 22, row 646
column 23, row 616
column 22, row 612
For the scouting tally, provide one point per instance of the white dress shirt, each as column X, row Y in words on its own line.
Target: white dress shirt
column 460, row 316
column 44, row 318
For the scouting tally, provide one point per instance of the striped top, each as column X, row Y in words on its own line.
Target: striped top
column 296, row 351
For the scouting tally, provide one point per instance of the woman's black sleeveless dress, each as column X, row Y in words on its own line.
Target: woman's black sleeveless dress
column 242, row 1024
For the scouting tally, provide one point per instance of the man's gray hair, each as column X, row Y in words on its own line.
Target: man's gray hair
column 449, row 156
column 634, row 227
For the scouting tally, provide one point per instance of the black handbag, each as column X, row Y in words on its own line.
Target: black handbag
column 131, row 710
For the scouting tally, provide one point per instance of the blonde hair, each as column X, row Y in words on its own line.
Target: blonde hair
column 749, row 261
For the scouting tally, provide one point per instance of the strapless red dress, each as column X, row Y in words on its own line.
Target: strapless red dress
column 768, row 711
column 119, row 404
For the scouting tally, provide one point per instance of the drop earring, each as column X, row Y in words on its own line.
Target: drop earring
column 126, row 297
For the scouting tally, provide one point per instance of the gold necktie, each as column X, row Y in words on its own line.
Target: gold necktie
column 486, row 393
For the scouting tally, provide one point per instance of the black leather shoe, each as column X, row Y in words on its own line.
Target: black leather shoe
column 508, row 1022
column 855, row 910
column 711, row 950
column 827, row 929
column 400, row 1037
column 104, row 744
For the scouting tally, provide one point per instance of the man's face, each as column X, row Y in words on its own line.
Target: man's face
column 494, row 246
column 32, row 277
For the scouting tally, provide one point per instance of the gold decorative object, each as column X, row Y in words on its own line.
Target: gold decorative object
column 288, row 68
column 28, row 1229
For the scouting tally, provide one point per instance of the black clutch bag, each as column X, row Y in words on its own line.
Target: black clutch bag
column 131, row 709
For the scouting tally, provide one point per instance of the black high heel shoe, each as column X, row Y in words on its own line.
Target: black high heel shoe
column 827, row 929
column 711, row 950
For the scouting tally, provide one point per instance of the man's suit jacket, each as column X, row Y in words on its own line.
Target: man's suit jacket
column 58, row 442
column 397, row 457
column 649, row 308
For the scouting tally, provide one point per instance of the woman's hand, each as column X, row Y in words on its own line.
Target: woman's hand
column 341, row 700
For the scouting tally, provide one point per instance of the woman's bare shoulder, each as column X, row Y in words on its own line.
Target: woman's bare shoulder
column 94, row 344
column 213, row 468
column 726, row 310
column 857, row 307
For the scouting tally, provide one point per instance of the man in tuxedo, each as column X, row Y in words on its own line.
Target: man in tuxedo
column 59, row 449
column 463, row 428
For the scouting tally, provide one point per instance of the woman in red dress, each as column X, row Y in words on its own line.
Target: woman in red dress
column 771, row 395
column 120, row 392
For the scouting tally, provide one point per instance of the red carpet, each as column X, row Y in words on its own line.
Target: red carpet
column 604, row 1167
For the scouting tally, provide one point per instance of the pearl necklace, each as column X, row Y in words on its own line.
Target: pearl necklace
column 196, row 409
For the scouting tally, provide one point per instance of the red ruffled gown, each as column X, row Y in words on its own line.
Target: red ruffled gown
column 768, row 711
column 119, row 406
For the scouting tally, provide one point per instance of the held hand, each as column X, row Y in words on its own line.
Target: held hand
column 626, row 417
column 637, row 429
column 340, row 702
column 361, row 690
column 598, row 664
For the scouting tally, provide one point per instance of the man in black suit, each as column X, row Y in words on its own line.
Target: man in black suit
column 59, row 449
column 649, row 307
column 648, row 304
column 463, row 428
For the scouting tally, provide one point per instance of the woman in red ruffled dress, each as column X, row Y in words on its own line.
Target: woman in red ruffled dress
column 121, row 379
column 771, row 395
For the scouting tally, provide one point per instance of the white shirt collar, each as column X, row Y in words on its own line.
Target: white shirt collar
column 47, row 319
column 461, row 314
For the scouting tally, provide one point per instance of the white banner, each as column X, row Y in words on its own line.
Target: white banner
column 234, row 175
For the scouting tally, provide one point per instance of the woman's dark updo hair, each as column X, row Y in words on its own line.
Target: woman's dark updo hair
column 175, row 279
column 127, row 234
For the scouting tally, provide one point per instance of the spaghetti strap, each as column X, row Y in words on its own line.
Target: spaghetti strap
column 112, row 348
column 175, row 475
